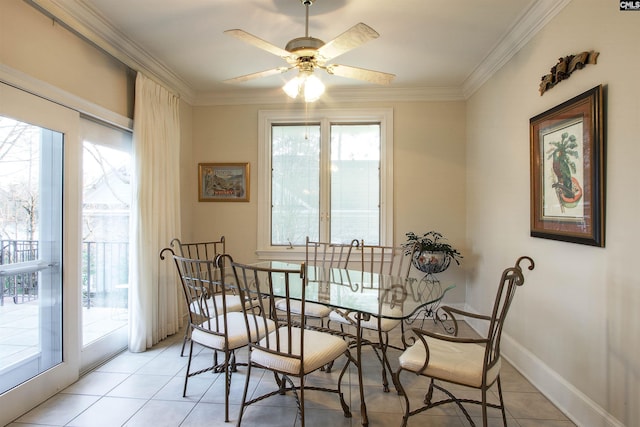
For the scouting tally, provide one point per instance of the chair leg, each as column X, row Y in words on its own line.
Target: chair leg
column 184, row 341
column 401, row 392
column 383, row 340
column 244, row 393
column 429, row 395
column 227, row 385
column 484, row 407
column 504, row 413
column 301, row 408
column 345, row 408
column 186, row 376
column 281, row 382
column 234, row 364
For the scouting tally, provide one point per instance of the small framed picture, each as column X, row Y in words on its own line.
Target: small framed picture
column 223, row 182
column 567, row 171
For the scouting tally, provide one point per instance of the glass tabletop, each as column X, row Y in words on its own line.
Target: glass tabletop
column 358, row 291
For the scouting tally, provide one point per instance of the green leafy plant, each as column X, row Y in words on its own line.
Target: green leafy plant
column 431, row 241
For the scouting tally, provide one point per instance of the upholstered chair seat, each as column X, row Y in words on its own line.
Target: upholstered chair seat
column 461, row 363
column 470, row 361
column 319, row 349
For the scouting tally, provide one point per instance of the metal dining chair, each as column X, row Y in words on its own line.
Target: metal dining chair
column 321, row 255
column 471, row 362
column 211, row 323
column 291, row 351
column 206, row 250
column 375, row 260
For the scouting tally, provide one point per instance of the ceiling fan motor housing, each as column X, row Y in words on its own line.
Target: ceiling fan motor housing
column 304, row 46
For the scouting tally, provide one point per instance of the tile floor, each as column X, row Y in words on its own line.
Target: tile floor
column 145, row 389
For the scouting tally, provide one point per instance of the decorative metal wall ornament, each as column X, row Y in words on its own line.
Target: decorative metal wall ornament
column 565, row 66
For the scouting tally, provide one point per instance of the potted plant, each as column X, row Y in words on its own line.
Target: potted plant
column 430, row 253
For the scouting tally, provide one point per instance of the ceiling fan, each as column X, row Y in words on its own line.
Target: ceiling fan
column 308, row 53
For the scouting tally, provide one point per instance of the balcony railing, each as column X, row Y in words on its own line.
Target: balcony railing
column 104, row 270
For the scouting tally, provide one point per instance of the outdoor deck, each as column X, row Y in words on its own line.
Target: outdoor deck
column 19, row 332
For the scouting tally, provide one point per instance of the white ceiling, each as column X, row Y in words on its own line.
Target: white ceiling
column 436, row 48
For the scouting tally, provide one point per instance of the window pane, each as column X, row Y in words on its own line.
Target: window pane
column 355, row 182
column 30, row 251
column 105, row 232
column 295, row 182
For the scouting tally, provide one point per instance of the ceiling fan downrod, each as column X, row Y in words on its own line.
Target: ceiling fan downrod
column 305, row 46
column 307, row 3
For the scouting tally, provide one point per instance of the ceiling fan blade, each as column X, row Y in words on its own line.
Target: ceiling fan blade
column 350, row 39
column 259, row 74
column 258, row 42
column 360, row 74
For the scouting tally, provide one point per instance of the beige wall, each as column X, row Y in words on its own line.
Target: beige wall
column 38, row 47
column 429, row 174
column 574, row 327
column 32, row 43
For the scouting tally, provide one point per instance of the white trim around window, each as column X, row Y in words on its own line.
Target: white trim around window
column 266, row 118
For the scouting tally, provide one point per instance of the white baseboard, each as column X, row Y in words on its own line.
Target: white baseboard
column 578, row 407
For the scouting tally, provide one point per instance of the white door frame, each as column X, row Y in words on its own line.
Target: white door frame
column 29, row 108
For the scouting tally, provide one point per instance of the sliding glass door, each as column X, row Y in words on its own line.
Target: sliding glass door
column 39, row 333
column 30, row 250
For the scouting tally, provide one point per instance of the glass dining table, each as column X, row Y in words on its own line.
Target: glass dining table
column 362, row 295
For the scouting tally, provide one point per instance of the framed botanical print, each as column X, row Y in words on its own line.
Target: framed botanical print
column 567, row 171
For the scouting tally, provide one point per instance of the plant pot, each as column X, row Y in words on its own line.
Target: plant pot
column 430, row 262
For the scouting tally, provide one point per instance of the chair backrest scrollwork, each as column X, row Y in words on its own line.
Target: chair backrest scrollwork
column 511, row 278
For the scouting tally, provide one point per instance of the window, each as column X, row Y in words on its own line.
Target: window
column 106, row 203
column 325, row 174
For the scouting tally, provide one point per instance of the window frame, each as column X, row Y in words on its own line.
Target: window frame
column 326, row 117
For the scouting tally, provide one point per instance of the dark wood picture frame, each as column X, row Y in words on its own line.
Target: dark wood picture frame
column 567, row 171
column 223, row 182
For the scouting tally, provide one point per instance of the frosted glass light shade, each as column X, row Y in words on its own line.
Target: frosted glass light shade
column 306, row 83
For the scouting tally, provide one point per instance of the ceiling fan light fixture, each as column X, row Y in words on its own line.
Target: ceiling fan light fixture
column 292, row 87
column 307, row 54
column 306, row 84
column 313, row 88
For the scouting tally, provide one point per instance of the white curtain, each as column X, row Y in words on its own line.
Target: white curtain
column 155, row 301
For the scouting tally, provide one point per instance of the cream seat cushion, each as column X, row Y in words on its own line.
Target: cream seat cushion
column 320, row 348
column 311, row 309
column 233, row 302
column 450, row 361
column 236, row 330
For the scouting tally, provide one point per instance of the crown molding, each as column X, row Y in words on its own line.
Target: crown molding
column 89, row 24
column 521, row 32
column 83, row 20
column 341, row 95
